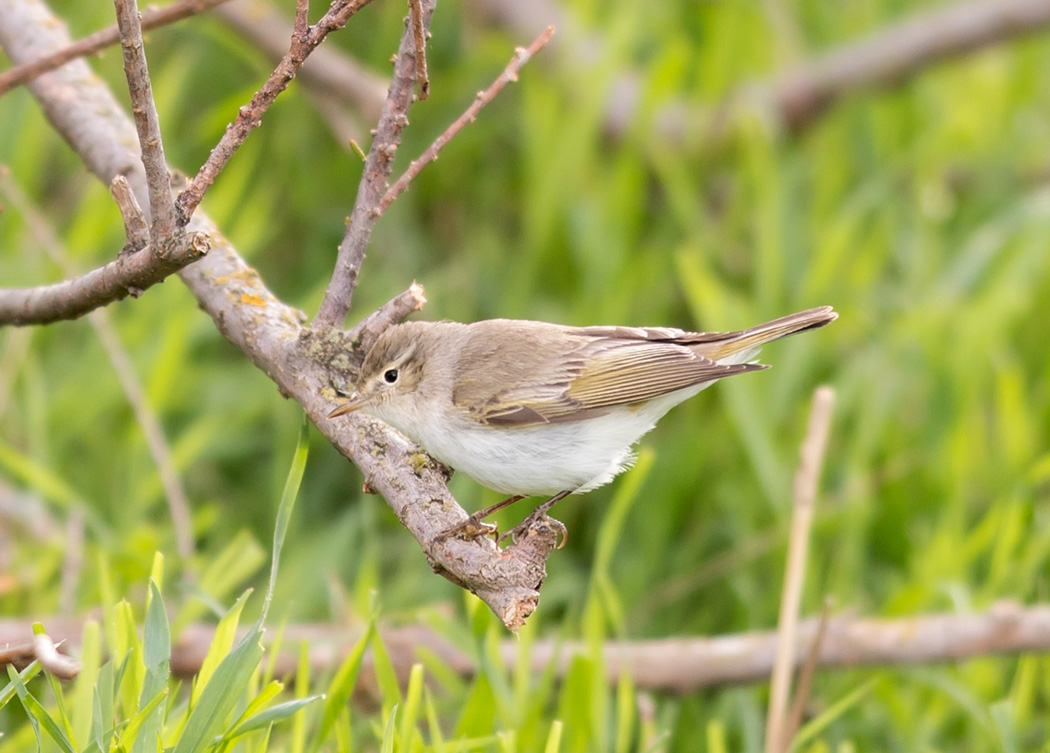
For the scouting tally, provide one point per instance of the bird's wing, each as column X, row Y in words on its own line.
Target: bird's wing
column 588, row 371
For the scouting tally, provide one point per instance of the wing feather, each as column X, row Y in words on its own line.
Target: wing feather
column 577, row 373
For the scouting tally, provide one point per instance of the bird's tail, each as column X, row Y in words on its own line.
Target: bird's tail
column 740, row 347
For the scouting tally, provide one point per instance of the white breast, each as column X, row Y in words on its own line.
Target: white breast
column 542, row 459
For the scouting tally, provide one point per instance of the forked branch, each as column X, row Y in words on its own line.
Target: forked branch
column 305, row 364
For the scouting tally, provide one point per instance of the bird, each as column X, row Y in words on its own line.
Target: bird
column 530, row 408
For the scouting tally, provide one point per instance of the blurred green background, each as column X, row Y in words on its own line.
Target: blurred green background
column 920, row 213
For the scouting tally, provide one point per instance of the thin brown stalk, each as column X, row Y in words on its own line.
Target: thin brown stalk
column 391, row 312
column 510, row 74
column 136, row 230
column 147, row 123
column 801, row 520
column 302, row 17
column 152, row 18
column 249, row 117
column 378, row 165
column 805, row 676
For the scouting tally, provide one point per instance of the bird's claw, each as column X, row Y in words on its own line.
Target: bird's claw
column 471, row 528
column 533, row 520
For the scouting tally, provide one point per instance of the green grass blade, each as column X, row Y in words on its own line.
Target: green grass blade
column 342, row 686
column 39, row 714
column 553, row 738
column 284, row 509
column 389, row 732
column 156, row 656
column 130, row 734
column 11, row 690
column 273, row 714
column 221, row 643
column 437, row 739
column 220, row 695
column 389, row 688
column 833, row 712
column 133, row 671
column 407, row 728
column 83, row 706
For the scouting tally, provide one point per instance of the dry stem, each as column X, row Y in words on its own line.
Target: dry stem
column 147, row 123
column 370, row 189
column 419, row 36
column 805, row 493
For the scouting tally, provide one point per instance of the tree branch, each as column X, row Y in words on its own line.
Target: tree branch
column 378, row 165
column 305, row 364
column 152, row 18
column 678, row 666
column 129, row 274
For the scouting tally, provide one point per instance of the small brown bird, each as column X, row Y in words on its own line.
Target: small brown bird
column 529, row 408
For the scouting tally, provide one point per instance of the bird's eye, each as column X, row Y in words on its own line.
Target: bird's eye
column 390, row 376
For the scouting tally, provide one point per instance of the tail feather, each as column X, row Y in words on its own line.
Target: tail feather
column 741, row 346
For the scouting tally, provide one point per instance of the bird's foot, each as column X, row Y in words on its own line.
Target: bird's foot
column 534, row 522
column 471, row 528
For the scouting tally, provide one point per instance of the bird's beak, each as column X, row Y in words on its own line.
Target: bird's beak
column 358, row 401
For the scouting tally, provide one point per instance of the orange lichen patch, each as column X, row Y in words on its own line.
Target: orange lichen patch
column 253, row 300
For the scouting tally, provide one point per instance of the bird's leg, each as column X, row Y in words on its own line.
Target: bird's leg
column 473, row 526
column 540, row 513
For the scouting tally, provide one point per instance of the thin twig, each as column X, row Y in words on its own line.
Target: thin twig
column 302, row 18
column 249, row 117
column 136, row 230
column 378, row 165
column 510, row 74
column 393, row 311
column 802, row 517
column 147, row 123
column 419, row 34
column 805, row 676
column 152, row 18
